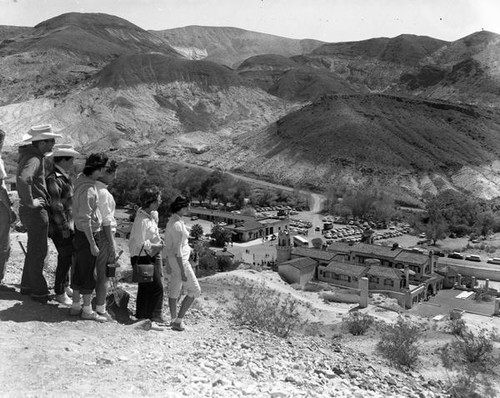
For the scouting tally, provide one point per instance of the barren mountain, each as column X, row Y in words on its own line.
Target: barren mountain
column 296, row 112
column 7, row 32
column 366, row 138
column 95, row 36
column 285, row 78
column 230, row 46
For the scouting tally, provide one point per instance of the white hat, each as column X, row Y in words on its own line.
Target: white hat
column 64, row 150
column 40, row 133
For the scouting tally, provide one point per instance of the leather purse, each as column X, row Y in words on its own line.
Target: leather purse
column 143, row 268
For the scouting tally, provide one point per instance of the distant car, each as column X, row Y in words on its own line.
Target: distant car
column 194, row 218
column 317, row 228
column 494, row 260
column 422, row 235
column 456, row 255
column 473, row 257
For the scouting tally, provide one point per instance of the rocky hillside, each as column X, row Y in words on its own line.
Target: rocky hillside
column 213, row 357
column 231, row 46
column 411, row 112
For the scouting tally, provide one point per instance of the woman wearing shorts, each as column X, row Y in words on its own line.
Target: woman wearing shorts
column 178, row 268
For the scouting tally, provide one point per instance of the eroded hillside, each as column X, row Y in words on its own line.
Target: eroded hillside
column 297, row 112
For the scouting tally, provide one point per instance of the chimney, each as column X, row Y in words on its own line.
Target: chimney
column 407, row 277
column 432, row 261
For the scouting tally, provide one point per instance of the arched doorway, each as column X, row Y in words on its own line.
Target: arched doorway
column 430, row 291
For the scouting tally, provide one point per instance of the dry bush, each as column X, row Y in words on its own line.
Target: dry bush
column 456, row 326
column 482, row 294
column 357, row 323
column 399, row 343
column 260, row 307
column 470, row 359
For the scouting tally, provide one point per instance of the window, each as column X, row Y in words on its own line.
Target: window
column 374, row 279
column 388, row 282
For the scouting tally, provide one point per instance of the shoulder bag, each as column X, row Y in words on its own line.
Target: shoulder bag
column 143, row 268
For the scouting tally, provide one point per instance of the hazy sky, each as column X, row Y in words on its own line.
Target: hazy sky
column 327, row 20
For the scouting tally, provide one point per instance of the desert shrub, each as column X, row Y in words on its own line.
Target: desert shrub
column 399, row 343
column 482, row 294
column 357, row 323
column 466, row 385
column 456, row 327
column 470, row 348
column 470, row 358
column 257, row 306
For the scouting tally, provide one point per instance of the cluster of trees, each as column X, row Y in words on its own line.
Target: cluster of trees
column 452, row 212
column 197, row 184
column 360, row 203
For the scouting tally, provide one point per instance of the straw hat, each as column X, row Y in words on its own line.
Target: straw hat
column 64, row 150
column 40, row 133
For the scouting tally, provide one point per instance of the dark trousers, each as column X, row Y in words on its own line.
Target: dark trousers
column 36, row 222
column 82, row 278
column 64, row 248
column 150, row 295
column 4, row 231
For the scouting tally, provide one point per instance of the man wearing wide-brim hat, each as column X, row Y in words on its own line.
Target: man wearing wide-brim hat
column 33, row 204
column 61, row 226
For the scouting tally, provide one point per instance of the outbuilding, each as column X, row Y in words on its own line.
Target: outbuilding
column 299, row 270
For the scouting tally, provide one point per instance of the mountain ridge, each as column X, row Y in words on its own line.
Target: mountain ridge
column 299, row 116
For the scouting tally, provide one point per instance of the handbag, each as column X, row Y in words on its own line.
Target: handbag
column 142, row 272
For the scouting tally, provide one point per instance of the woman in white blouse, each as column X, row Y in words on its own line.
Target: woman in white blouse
column 178, row 267
column 145, row 246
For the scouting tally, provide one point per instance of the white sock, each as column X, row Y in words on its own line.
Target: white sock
column 101, row 309
column 87, row 309
column 76, row 305
column 178, row 320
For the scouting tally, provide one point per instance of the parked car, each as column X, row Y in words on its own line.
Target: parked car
column 494, row 260
column 317, row 228
column 473, row 257
column 456, row 255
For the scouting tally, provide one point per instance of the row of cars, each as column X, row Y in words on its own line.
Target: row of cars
column 473, row 257
column 300, row 226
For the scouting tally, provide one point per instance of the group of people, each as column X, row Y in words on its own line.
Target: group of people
column 80, row 220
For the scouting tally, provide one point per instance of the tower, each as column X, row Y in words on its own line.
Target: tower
column 284, row 247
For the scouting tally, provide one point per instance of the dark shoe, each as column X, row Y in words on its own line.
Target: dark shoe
column 178, row 326
column 5, row 288
column 40, row 299
column 75, row 311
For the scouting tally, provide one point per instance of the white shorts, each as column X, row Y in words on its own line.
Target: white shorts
column 175, row 283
